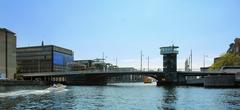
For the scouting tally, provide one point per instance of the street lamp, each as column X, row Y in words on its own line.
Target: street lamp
column 204, row 56
column 141, row 60
column 148, row 62
column 103, row 61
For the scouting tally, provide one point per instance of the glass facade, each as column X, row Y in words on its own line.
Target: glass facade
column 47, row 58
column 60, row 60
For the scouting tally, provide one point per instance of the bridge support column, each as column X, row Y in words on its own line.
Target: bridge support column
column 169, row 65
column 168, row 79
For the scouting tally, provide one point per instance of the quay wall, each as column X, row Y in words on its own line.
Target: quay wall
column 20, row 82
column 237, row 77
column 219, row 81
column 196, row 81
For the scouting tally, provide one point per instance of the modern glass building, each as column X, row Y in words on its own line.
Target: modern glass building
column 7, row 54
column 45, row 58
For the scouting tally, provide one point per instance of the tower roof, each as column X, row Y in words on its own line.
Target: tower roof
column 169, row 50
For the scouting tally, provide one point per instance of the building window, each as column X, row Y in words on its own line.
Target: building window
column 61, row 59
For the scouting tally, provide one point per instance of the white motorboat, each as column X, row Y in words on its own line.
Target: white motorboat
column 57, row 87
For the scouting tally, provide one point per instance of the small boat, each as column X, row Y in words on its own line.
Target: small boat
column 56, row 87
column 147, row 79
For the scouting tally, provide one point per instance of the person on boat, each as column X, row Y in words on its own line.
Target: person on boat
column 54, row 85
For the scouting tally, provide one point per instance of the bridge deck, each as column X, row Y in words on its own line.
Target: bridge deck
column 191, row 73
column 89, row 73
column 113, row 73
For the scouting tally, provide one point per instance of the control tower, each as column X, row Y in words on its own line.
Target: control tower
column 170, row 63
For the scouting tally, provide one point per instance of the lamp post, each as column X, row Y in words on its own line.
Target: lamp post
column 141, row 61
column 204, row 57
column 103, row 62
column 148, row 62
column 116, row 61
column 103, row 58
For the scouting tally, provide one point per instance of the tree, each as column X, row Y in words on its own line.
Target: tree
column 227, row 59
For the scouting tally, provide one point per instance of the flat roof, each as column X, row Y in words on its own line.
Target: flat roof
column 35, row 46
column 169, row 47
column 169, row 50
column 56, row 48
column 42, row 46
column 82, row 60
column 5, row 29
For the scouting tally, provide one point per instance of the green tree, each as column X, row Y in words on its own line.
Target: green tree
column 227, row 59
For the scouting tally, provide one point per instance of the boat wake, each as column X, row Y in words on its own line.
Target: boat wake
column 24, row 93
column 32, row 92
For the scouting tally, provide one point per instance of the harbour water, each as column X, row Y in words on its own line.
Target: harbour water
column 119, row 96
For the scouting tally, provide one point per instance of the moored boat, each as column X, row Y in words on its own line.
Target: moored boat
column 148, row 79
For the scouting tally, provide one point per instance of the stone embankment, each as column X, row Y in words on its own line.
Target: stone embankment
column 20, row 82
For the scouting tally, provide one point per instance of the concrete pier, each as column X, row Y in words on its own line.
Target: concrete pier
column 219, row 81
column 195, row 82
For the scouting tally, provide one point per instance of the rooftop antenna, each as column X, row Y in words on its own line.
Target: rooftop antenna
column 148, row 62
column 42, row 43
column 116, row 61
column 141, row 61
column 191, row 59
column 172, row 43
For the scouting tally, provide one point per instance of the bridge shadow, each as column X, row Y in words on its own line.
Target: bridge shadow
column 169, row 98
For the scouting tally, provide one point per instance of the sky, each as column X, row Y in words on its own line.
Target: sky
column 122, row 28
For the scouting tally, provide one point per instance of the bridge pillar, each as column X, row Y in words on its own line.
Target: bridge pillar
column 169, row 65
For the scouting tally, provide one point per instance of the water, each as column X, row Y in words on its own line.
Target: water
column 121, row 96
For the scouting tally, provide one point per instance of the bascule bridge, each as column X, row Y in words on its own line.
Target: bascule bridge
column 169, row 65
column 169, row 75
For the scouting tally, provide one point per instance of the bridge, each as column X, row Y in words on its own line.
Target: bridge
column 84, row 77
column 169, row 75
column 101, row 77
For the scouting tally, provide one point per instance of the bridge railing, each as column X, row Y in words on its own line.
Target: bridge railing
column 80, row 72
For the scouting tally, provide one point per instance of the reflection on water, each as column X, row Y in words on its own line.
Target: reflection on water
column 169, row 98
column 122, row 96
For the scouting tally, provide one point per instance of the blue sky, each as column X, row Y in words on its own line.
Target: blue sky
column 121, row 28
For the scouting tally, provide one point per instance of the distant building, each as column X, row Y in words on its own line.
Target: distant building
column 88, row 64
column 127, row 69
column 76, row 66
column 204, row 69
column 45, row 58
column 7, row 53
column 92, row 65
column 187, row 66
column 82, row 65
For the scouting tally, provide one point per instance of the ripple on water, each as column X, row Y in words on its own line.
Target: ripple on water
column 123, row 97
